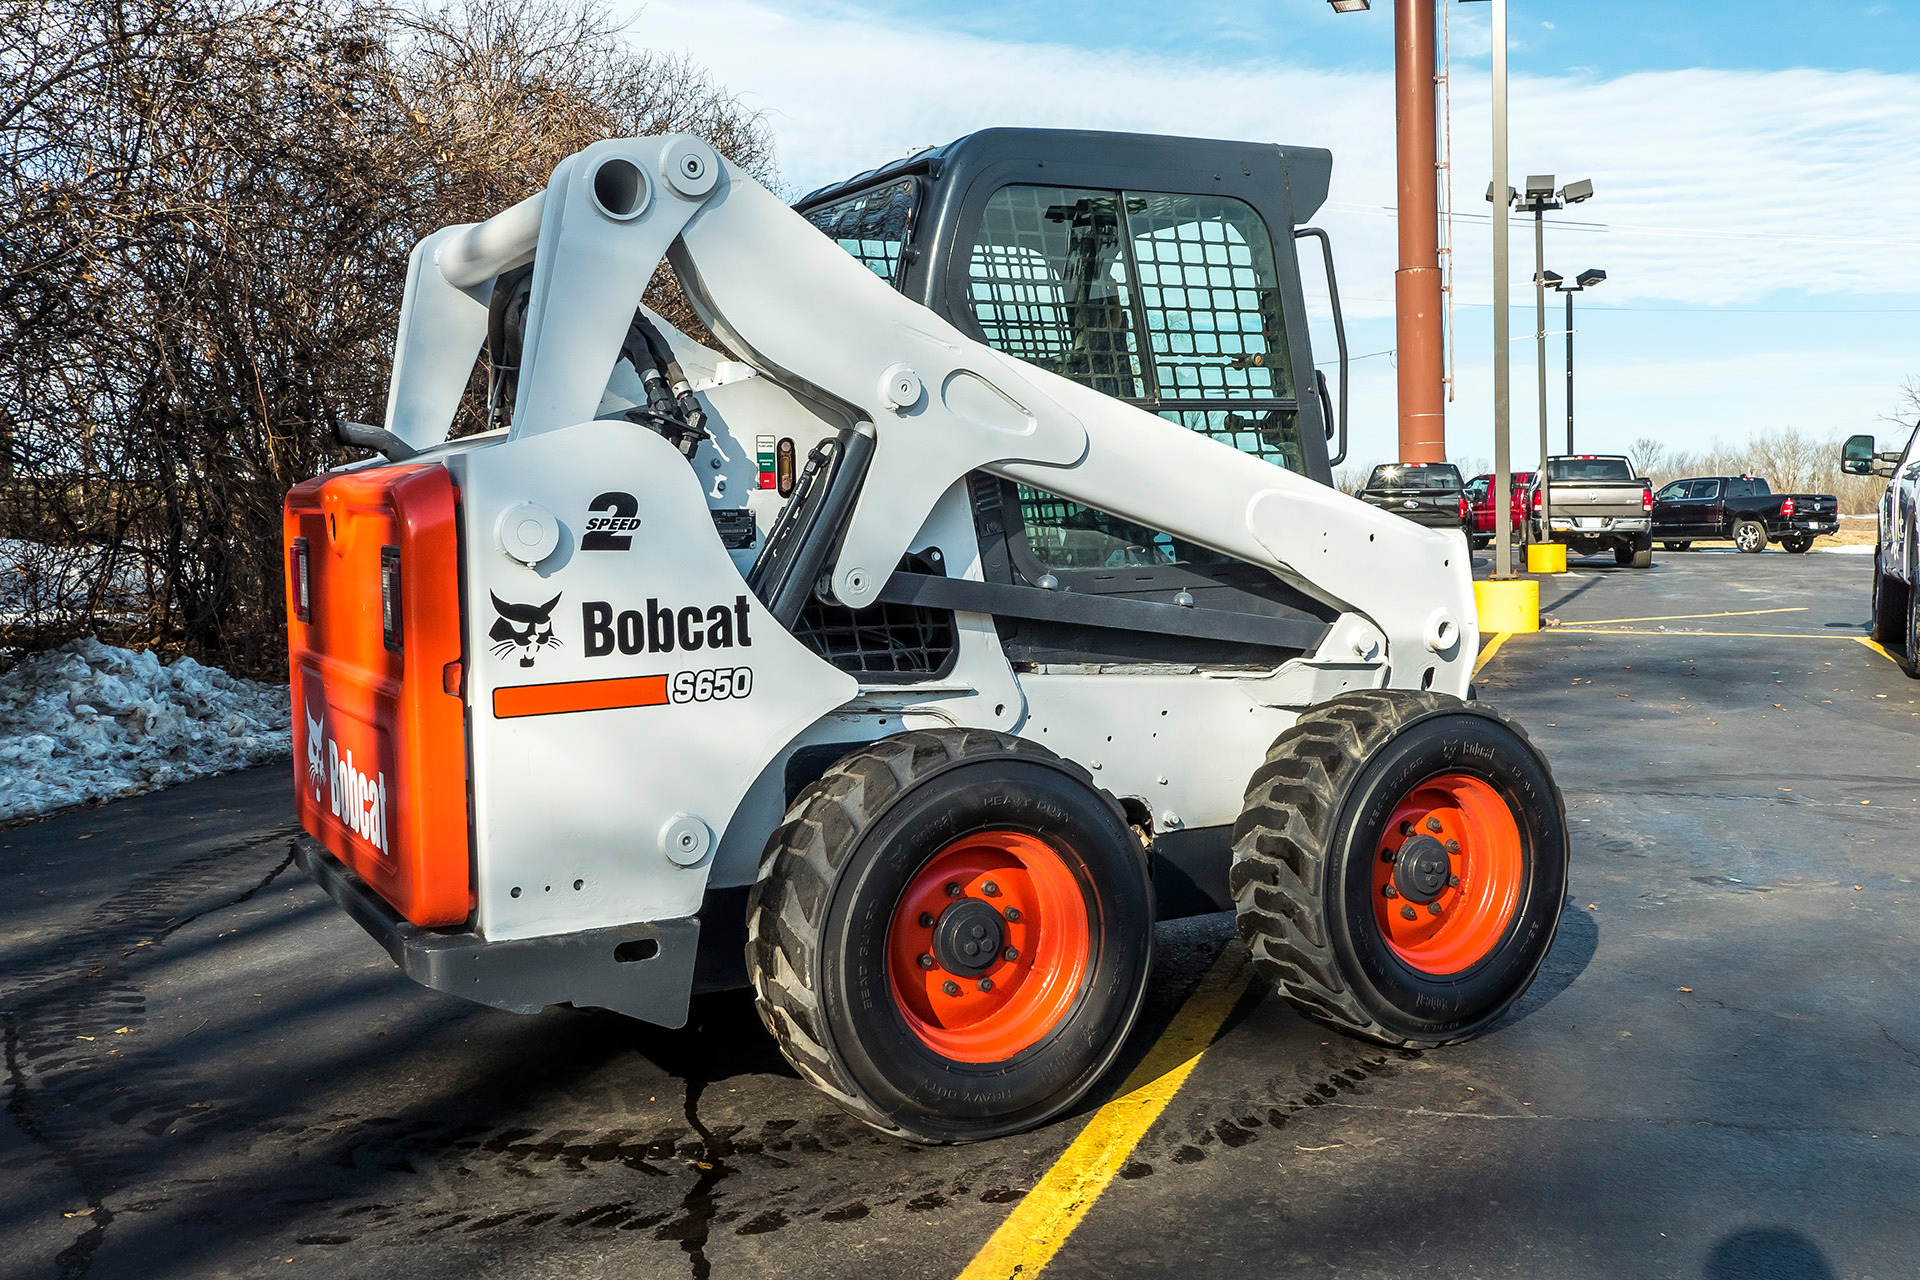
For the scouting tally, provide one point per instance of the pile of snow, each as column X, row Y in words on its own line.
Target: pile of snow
column 89, row 721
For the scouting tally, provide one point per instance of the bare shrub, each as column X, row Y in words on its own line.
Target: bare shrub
column 205, row 213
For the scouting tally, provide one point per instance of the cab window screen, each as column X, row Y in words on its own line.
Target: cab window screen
column 872, row 226
column 1211, row 296
column 1048, row 281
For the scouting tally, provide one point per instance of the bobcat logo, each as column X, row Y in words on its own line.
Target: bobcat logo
column 525, row 627
column 316, row 731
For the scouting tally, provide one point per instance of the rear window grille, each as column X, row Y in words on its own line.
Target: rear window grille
column 897, row 641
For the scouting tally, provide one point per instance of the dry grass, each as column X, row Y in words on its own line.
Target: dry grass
column 1854, row 531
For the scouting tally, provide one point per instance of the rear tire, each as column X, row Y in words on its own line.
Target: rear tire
column 1911, row 658
column 1636, row 555
column 1750, row 536
column 1676, row 546
column 1796, row 546
column 1361, row 776
column 838, row 934
column 1889, row 607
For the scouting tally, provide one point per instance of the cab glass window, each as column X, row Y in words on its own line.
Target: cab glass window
column 1211, row 298
column 1704, row 489
column 872, row 225
column 1066, row 535
column 1673, row 492
column 1049, row 282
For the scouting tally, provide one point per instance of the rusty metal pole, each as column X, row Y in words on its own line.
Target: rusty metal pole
column 1416, row 285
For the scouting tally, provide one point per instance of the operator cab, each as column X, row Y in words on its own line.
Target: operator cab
column 1156, row 270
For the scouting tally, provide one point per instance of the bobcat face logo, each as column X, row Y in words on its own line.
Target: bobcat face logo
column 527, row 628
column 316, row 732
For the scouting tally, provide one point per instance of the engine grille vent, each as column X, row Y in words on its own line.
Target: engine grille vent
column 882, row 641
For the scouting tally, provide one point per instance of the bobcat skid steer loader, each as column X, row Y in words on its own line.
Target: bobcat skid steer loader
column 705, row 671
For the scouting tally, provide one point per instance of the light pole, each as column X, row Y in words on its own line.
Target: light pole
column 1537, row 199
column 1585, row 280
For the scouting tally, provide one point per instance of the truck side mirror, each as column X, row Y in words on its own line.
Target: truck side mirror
column 1856, row 456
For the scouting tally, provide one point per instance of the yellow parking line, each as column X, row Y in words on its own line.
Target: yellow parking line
column 1683, row 617
column 1877, row 648
column 1491, row 648
column 1041, row 1223
column 1751, row 635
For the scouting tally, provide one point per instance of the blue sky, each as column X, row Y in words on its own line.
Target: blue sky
column 1757, row 169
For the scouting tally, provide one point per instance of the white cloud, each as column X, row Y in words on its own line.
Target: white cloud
column 1714, row 188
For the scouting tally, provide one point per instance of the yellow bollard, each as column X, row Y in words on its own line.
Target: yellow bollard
column 1546, row 557
column 1508, row 606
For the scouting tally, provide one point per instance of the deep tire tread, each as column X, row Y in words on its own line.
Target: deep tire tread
column 1283, row 840
column 787, row 907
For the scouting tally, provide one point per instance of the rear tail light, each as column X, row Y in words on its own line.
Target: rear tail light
column 1463, row 506
column 302, row 582
column 1536, row 500
column 1786, row 508
column 1646, row 500
column 390, row 597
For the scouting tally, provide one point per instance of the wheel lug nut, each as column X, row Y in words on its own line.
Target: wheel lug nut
column 986, row 984
column 991, row 889
column 953, row 888
column 1389, row 892
column 1433, row 824
column 926, row 919
column 1453, row 846
column 1452, row 881
column 1011, row 953
column 926, row 962
column 1013, row 913
column 951, row 987
column 1386, row 855
column 1433, row 908
column 1408, row 913
column 1406, row 828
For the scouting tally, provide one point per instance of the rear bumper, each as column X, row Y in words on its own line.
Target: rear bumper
column 642, row 970
column 1785, row 527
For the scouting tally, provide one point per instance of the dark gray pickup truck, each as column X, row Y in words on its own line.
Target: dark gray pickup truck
column 1743, row 508
column 1427, row 493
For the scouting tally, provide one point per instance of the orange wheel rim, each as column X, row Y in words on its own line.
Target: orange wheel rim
column 1447, row 878
column 988, row 946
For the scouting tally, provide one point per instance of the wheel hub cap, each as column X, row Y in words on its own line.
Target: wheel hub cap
column 968, row 937
column 1420, row 869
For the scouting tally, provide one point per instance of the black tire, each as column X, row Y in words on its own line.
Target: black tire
column 1304, row 863
column 1676, row 546
column 1482, row 543
column 1911, row 656
column 1889, row 607
column 1637, row 554
column 1750, row 536
column 1796, row 546
column 832, row 878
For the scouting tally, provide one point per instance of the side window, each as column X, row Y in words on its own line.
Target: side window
column 872, row 226
column 1211, row 296
column 1477, row 489
column 1708, row 489
column 1673, row 492
column 1049, row 282
column 1740, row 489
column 1065, row 535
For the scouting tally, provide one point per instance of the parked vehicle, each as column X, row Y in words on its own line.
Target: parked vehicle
column 1896, row 554
column 1593, row 502
column 1425, row 493
column 1744, row 509
column 1480, row 518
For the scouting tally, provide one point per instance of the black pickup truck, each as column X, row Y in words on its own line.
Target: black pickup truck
column 1425, row 493
column 1744, row 509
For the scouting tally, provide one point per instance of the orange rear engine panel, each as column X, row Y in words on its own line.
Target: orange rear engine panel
column 373, row 631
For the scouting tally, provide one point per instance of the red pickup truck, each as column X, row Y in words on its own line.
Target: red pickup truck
column 1480, row 514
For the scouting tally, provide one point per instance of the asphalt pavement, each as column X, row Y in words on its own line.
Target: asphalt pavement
column 210, row 1071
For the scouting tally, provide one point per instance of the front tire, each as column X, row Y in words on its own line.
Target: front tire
column 951, row 934
column 1750, row 536
column 1910, row 662
column 1637, row 554
column 1796, row 546
column 1363, row 795
column 1676, row 546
